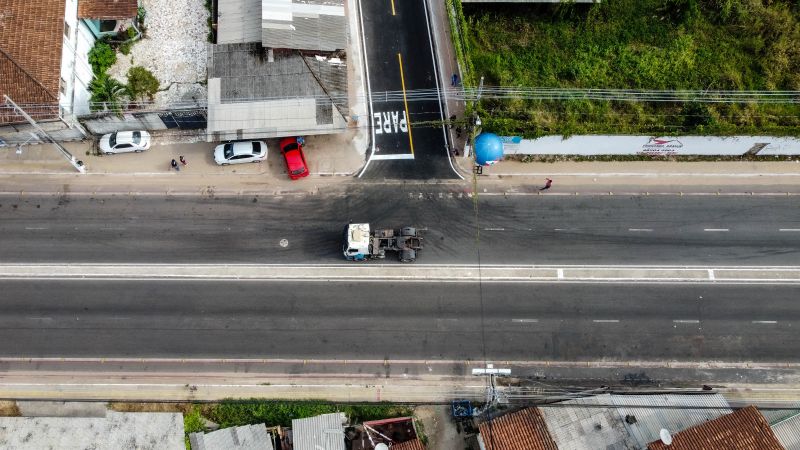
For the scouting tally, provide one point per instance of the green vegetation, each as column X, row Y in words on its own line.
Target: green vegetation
column 638, row 44
column 192, row 423
column 141, row 83
column 101, row 57
column 107, row 92
column 234, row 413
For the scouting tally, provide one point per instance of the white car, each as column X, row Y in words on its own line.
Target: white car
column 240, row 152
column 125, row 141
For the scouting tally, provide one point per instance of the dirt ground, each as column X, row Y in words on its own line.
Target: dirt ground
column 9, row 409
column 440, row 428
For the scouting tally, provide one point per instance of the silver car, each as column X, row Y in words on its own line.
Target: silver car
column 124, row 142
column 240, row 152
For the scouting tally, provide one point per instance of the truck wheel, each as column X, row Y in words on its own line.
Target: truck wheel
column 408, row 231
column 408, row 255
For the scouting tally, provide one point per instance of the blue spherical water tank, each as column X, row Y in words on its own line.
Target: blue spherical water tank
column 488, row 149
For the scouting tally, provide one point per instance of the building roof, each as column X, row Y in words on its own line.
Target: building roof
column 627, row 421
column 248, row 437
column 254, row 93
column 745, row 429
column 414, row 444
column 521, row 430
column 238, row 21
column 304, row 24
column 116, row 431
column 325, row 431
column 788, row 431
column 31, row 38
column 107, row 9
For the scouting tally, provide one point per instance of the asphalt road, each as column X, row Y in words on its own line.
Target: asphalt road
column 668, row 230
column 400, row 61
column 199, row 319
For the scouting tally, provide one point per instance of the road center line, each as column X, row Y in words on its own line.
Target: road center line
column 686, row 321
column 494, row 229
column 525, row 320
column 716, row 229
column 605, row 321
column 644, row 230
column 35, row 228
column 405, row 102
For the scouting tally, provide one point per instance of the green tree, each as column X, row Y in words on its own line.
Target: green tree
column 107, row 93
column 101, row 57
column 142, row 82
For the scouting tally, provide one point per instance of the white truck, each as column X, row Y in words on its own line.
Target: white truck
column 362, row 243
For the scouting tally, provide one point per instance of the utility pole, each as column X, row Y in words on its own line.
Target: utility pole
column 71, row 159
column 491, row 394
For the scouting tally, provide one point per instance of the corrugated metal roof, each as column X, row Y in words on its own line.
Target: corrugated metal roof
column 248, row 437
column 745, row 429
column 521, row 430
column 304, row 24
column 673, row 412
column 774, row 416
column 324, row 432
column 239, row 21
column 788, row 432
column 600, row 421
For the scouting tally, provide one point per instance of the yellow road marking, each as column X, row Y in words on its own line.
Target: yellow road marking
column 394, row 13
column 405, row 101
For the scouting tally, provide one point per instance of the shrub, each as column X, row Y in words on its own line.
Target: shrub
column 101, row 57
column 106, row 92
column 142, row 82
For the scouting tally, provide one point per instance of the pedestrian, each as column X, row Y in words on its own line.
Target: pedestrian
column 452, row 121
column 183, row 161
column 547, row 183
column 458, row 132
column 174, row 165
column 454, row 80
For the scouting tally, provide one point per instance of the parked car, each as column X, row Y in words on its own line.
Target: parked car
column 240, row 152
column 292, row 152
column 124, row 142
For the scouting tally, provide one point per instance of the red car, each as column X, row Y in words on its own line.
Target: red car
column 292, row 152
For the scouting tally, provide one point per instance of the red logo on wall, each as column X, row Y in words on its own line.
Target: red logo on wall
column 661, row 146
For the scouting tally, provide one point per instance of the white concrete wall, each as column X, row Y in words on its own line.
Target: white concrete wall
column 75, row 68
column 645, row 145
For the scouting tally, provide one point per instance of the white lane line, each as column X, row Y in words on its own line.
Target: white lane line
column 711, row 275
column 605, row 321
column 35, row 228
column 716, row 229
column 494, row 229
column 525, row 320
column 643, row 230
column 391, row 156
column 790, row 230
column 686, row 321
column 369, row 88
column 767, row 322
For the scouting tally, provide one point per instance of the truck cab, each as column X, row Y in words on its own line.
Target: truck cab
column 357, row 242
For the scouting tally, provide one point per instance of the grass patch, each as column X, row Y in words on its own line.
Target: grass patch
column 234, row 413
column 637, row 44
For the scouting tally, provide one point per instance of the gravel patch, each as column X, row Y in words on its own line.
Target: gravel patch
column 174, row 50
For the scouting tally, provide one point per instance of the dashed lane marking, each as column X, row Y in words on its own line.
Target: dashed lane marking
column 766, row 322
column 716, row 230
column 525, row 320
column 605, row 321
column 642, row 230
column 686, row 321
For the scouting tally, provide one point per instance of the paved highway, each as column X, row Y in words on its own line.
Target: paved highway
column 355, row 320
column 409, row 140
column 608, row 230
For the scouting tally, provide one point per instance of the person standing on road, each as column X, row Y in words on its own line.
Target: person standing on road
column 174, row 165
column 183, row 161
column 454, row 80
column 547, row 183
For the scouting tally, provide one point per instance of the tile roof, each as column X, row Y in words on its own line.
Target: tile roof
column 414, row 444
column 521, row 430
column 31, row 37
column 745, row 429
column 107, row 9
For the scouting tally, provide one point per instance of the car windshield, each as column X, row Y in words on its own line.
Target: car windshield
column 227, row 151
column 112, row 140
column 137, row 137
column 256, row 148
column 292, row 146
